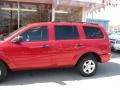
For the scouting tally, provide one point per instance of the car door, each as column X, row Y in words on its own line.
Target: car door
column 69, row 38
column 34, row 51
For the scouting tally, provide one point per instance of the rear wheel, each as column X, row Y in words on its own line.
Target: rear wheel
column 87, row 66
column 3, row 71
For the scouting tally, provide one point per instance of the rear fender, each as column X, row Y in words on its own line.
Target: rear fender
column 96, row 51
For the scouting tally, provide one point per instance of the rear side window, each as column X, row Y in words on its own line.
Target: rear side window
column 66, row 32
column 93, row 32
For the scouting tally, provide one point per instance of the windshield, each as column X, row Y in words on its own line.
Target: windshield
column 10, row 34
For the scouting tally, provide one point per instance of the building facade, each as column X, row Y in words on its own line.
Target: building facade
column 17, row 13
column 102, row 22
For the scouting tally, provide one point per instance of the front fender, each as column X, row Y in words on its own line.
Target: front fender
column 7, row 61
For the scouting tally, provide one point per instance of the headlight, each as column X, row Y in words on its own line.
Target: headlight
column 112, row 40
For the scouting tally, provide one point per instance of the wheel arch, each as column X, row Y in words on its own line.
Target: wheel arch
column 8, row 67
column 89, row 53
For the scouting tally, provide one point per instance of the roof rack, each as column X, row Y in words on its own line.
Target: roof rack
column 74, row 22
column 55, row 21
column 88, row 23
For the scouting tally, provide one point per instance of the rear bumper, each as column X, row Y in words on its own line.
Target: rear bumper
column 105, row 57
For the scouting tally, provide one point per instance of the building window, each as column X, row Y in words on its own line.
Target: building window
column 31, row 13
column 14, row 15
column 65, row 13
column 8, row 17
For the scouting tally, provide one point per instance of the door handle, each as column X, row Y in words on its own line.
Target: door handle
column 44, row 46
column 78, row 45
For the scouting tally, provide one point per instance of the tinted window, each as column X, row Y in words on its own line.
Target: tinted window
column 36, row 34
column 92, row 32
column 66, row 32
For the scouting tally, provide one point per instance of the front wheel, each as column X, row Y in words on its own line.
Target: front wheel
column 87, row 66
column 3, row 71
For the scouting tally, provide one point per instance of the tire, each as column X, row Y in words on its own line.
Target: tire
column 87, row 66
column 3, row 71
column 113, row 49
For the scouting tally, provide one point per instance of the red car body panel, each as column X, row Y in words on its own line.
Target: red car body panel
column 61, row 53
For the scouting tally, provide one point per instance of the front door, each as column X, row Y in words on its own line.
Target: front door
column 34, row 51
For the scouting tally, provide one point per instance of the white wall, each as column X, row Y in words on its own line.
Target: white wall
column 91, row 1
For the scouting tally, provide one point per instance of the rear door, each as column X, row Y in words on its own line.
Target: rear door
column 67, row 37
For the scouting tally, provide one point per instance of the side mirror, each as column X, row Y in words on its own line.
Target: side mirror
column 1, row 37
column 17, row 39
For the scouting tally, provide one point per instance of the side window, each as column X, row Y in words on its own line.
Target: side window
column 93, row 32
column 36, row 34
column 66, row 32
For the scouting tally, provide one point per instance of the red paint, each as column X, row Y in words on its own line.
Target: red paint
column 28, row 55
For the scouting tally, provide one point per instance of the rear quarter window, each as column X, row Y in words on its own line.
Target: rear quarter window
column 93, row 32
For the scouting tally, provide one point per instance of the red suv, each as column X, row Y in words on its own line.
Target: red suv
column 53, row 45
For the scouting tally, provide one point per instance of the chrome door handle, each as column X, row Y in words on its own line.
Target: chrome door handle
column 44, row 46
column 79, row 45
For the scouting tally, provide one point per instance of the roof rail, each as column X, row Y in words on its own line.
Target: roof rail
column 74, row 22
column 61, row 21
column 88, row 23
column 55, row 21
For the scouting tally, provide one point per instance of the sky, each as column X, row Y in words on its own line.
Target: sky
column 110, row 13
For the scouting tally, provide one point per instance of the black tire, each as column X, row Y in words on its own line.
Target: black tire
column 113, row 49
column 3, row 71
column 83, row 65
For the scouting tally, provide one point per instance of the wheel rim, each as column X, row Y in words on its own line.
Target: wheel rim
column 88, row 66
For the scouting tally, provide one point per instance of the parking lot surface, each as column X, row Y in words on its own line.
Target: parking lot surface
column 107, row 77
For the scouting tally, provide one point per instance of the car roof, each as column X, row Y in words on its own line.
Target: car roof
column 63, row 23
